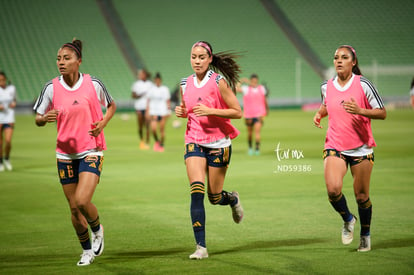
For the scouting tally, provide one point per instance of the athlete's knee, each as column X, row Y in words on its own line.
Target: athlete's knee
column 364, row 202
column 74, row 210
column 82, row 204
column 334, row 195
column 361, row 195
column 333, row 187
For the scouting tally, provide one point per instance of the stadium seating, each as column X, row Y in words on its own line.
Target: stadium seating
column 163, row 32
column 33, row 31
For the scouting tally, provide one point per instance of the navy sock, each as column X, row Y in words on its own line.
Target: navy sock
column 365, row 214
column 84, row 240
column 340, row 205
column 197, row 211
column 95, row 225
column 223, row 198
column 257, row 146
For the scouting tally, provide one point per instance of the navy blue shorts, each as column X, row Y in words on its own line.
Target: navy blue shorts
column 156, row 118
column 348, row 159
column 253, row 121
column 216, row 157
column 6, row 125
column 69, row 169
column 142, row 112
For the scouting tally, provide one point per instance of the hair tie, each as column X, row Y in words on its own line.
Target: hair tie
column 74, row 47
column 204, row 45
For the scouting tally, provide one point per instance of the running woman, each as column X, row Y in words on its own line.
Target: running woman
column 7, row 119
column 208, row 103
column 74, row 101
column 158, row 110
column 255, row 108
column 350, row 101
column 139, row 93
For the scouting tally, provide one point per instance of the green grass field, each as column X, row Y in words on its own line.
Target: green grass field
column 143, row 199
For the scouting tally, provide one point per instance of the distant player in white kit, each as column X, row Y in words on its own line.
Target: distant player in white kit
column 158, row 110
column 7, row 105
column 139, row 93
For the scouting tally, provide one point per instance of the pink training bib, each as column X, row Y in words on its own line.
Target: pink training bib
column 78, row 110
column 254, row 102
column 347, row 131
column 206, row 129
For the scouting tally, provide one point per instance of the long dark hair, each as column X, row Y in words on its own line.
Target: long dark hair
column 355, row 69
column 223, row 62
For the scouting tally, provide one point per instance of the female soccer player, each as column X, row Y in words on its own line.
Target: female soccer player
column 158, row 109
column 7, row 105
column 139, row 93
column 74, row 101
column 208, row 102
column 255, row 108
column 351, row 101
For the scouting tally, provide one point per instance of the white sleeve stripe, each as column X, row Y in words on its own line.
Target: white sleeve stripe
column 183, row 84
column 374, row 91
column 42, row 94
column 218, row 78
column 323, row 91
column 106, row 94
column 183, row 81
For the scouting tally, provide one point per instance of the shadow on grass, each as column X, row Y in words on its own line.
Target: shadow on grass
column 250, row 246
column 147, row 253
column 24, row 262
column 271, row 244
column 394, row 243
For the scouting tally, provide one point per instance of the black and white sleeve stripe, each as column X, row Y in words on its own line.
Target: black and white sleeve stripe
column 183, row 84
column 41, row 97
column 372, row 94
column 108, row 97
column 323, row 91
column 218, row 78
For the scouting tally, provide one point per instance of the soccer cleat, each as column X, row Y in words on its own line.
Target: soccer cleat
column 257, row 152
column 87, row 258
column 348, row 231
column 98, row 241
column 143, row 146
column 1, row 167
column 200, row 253
column 364, row 244
column 7, row 164
column 237, row 209
column 250, row 152
column 158, row 147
